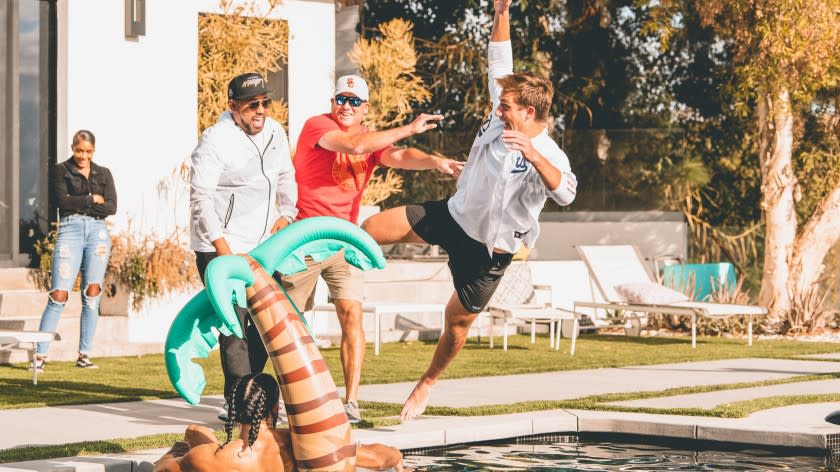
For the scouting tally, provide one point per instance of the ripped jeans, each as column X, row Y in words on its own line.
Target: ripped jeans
column 83, row 243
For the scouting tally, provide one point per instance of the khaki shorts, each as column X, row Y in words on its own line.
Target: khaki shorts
column 345, row 281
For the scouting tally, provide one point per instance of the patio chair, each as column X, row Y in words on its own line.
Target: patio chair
column 620, row 279
column 517, row 299
column 10, row 339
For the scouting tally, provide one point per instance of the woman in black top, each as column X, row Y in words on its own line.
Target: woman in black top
column 84, row 194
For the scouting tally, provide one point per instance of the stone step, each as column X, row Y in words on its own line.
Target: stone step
column 17, row 278
column 111, row 339
column 29, row 302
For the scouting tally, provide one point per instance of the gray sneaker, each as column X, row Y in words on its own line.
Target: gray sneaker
column 352, row 410
column 223, row 412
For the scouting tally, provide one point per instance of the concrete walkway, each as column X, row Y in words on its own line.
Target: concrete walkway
column 800, row 425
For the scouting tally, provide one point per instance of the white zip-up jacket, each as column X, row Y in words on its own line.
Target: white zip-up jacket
column 500, row 195
column 240, row 185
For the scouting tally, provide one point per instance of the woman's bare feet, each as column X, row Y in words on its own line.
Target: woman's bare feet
column 415, row 405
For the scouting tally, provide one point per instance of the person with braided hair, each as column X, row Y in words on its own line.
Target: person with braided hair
column 259, row 446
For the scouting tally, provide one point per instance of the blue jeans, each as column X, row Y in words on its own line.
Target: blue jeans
column 83, row 243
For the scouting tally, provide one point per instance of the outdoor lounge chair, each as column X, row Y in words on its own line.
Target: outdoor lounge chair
column 516, row 299
column 619, row 277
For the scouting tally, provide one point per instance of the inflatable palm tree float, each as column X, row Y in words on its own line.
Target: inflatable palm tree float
column 320, row 432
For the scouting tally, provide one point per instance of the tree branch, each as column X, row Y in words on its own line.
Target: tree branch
column 819, row 234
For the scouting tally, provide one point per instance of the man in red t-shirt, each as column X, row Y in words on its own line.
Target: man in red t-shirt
column 334, row 159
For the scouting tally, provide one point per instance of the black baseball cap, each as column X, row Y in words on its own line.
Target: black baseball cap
column 246, row 86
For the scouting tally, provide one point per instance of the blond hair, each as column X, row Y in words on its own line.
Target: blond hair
column 530, row 90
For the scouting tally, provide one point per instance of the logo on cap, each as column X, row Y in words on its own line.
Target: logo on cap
column 252, row 82
column 247, row 85
column 352, row 84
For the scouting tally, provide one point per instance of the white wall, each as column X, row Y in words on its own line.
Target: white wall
column 311, row 61
column 654, row 233
column 139, row 96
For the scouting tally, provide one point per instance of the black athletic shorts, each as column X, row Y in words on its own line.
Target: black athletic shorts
column 476, row 274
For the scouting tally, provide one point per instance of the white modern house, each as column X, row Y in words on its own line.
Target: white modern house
column 127, row 70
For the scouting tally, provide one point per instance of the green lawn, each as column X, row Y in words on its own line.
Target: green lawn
column 144, row 377
column 137, row 378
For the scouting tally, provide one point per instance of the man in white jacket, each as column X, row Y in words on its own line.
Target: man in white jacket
column 513, row 167
column 242, row 189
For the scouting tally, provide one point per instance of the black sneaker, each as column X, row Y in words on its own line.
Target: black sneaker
column 352, row 410
column 38, row 364
column 85, row 363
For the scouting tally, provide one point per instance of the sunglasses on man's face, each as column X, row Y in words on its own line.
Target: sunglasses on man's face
column 355, row 102
column 255, row 105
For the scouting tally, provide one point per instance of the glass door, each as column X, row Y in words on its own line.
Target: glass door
column 36, row 128
column 8, row 167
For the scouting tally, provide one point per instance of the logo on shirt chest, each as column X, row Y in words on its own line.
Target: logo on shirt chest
column 521, row 164
column 349, row 171
column 484, row 126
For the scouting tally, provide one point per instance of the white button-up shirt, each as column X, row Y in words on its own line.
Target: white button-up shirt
column 500, row 195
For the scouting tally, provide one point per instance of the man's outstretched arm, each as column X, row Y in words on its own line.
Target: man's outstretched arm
column 348, row 143
column 501, row 21
column 415, row 159
column 499, row 52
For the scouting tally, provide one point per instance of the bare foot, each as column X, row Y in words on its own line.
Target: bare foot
column 416, row 403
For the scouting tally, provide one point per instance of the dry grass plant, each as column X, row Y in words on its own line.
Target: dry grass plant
column 808, row 313
column 44, row 249
column 709, row 243
column 721, row 293
column 148, row 266
column 388, row 65
column 241, row 39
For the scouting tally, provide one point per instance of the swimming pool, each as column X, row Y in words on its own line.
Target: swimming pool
column 613, row 453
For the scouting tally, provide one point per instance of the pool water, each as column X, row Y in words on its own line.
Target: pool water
column 568, row 453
